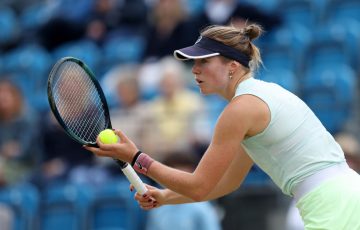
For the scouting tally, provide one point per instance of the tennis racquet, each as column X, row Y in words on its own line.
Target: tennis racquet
column 79, row 105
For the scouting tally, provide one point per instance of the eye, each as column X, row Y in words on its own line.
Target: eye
column 204, row 60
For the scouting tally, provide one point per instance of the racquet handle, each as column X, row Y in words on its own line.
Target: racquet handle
column 134, row 179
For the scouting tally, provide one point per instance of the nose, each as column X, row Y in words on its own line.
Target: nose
column 195, row 70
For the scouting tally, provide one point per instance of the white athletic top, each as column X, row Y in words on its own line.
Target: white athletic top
column 295, row 144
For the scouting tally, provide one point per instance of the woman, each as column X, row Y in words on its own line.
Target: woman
column 263, row 124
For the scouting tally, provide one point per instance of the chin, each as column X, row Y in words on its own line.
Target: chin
column 204, row 92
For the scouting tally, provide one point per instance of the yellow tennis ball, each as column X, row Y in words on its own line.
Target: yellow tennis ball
column 108, row 136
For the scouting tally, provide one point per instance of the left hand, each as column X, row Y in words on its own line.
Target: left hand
column 124, row 150
column 153, row 198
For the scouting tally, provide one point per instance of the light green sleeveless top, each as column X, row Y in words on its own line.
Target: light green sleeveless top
column 295, row 144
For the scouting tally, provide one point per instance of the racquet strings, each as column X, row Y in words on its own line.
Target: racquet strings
column 78, row 101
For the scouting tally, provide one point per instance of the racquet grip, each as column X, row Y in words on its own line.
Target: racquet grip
column 134, row 179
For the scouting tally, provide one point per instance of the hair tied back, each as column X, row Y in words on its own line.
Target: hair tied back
column 252, row 31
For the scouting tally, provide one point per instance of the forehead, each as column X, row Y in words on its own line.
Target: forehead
column 213, row 59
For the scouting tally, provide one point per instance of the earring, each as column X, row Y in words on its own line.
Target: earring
column 230, row 75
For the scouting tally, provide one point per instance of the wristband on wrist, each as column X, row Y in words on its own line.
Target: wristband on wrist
column 135, row 157
column 143, row 163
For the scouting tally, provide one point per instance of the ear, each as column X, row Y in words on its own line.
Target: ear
column 234, row 65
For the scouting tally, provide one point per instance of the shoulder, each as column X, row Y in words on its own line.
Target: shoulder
column 245, row 106
column 245, row 115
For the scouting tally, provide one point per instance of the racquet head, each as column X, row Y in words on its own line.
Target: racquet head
column 79, row 105
column 77, row 100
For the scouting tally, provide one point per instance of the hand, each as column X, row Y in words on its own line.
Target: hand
column 124, row 150
column 153, row 198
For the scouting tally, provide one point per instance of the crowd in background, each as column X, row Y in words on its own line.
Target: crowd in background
column 308, row 48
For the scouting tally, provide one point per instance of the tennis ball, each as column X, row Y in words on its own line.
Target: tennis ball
column 108, row 136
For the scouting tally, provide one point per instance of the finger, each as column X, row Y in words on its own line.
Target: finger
column 148, row 205
column 141, row 198
column 123, row 137
column 147, row 202
column 107, row 147
column 131, row 187
column 98, row 151
column 147, row 208
column 89, row 148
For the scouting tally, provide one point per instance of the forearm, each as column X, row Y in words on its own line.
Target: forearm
column 231, row 181
column 172, row 197
column 222, row 188
column 181, row 182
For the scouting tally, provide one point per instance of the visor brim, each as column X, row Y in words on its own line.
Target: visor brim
column 193, row 52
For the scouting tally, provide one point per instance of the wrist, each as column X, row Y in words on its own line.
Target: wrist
column 142, row 162
column 135, row 157
column 171, row 197
column 167, row 196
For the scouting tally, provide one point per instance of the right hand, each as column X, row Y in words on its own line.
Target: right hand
column 153, row 198
column 124, row 150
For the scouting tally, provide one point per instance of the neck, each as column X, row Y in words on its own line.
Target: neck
column 235, row 82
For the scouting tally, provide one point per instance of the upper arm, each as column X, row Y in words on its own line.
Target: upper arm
column 239, row 119
column 233, row 177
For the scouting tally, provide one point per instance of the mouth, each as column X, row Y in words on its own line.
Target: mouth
column 198, row 81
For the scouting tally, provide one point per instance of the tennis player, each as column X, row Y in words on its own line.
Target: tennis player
column 262, row 124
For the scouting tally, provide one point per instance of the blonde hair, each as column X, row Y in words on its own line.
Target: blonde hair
column 238, row 38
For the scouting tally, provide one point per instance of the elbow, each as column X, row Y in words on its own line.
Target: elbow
column 199, row 195
column 197, row 198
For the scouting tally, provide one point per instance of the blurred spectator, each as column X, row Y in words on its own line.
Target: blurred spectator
column 178, row 115
column 72, row 11
column 129, row 112
column 66, row 160
column 58, row 31
column 6, row 217
column 19, row 138
column 131, row 115
column 169, row 28
column 223, row 12
column 109, row 15
column 192, row 216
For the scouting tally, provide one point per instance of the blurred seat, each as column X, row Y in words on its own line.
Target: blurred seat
column 85, row 50
column 295, row 37
column 195, row 7
column 123, row 47
column 257, row 177
column 348, row 33
column 329, row 91
column 29, row 58
column 30, row 64
column 33, row 16
column 325, row 53
column 299, row 12
column 266, row 5
column 278, row 57
column 338, row 10
column 279, row 67
column 214, row 106
column 75, row 11
column 24, row 200
column 64, row 206
column 9, row 25
column 284, row 77
column 114, row 207
column 1, row 64
column 320, row 7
